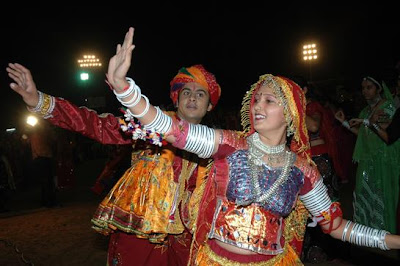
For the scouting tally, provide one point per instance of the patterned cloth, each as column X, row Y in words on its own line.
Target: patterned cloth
column 200, row 75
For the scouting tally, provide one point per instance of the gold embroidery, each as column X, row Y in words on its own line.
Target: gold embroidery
column 208, row 257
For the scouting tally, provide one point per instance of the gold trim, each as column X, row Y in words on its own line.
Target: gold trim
column 287, row 257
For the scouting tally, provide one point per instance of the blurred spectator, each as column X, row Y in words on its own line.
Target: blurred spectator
column 119, row 161
column 43, row 147
column 6, row 180
column 377, row 179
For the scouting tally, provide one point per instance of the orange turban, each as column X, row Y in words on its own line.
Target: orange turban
column 200, row 75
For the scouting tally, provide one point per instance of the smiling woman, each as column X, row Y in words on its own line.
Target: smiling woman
column 262, row 184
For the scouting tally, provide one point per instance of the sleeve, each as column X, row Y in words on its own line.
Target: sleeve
column 104, row 128
column 311, row 176
column 230, row 141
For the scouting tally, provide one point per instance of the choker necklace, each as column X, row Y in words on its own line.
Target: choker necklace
column 265, row 148
column 257, row 149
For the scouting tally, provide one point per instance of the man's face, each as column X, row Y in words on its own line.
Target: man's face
column 193, row 102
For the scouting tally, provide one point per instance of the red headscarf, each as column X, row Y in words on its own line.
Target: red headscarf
column 294, row 102
column 200, row 75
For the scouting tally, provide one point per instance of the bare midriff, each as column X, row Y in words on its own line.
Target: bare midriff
column 234, row 249
column 316, row 142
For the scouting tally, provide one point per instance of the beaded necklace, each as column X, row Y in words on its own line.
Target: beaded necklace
column 257, row 150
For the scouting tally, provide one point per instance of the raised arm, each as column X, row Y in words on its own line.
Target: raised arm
column 198, row 139
column 102, row 128
column 23, row 84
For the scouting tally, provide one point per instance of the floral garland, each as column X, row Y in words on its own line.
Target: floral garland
column 132, row 125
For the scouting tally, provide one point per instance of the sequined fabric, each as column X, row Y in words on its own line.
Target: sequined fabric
column 240, row 187
column 255, row 227
column 249, row 227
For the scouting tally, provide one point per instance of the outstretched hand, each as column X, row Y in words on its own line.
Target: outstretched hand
column 355, row 122
column 23, row 83
column 339, row 115
column 119, row 64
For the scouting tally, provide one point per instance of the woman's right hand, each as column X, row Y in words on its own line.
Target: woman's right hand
column 23, row 83
column 355, row 122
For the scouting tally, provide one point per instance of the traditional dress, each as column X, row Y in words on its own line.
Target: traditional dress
column 155, row 166
column 273, row 229
column 247, row 203
column 377, row 179
column 145, row 213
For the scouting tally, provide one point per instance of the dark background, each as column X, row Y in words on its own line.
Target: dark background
column 237, row 42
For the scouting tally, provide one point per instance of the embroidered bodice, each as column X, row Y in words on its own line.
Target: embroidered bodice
column 240, row 184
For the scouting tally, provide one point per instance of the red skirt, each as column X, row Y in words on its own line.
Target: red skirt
column 128, row 249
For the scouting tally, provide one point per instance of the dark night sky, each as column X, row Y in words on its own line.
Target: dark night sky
column 237, row 42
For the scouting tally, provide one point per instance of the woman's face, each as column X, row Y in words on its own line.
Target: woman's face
column 369, row 90
column 267, row 112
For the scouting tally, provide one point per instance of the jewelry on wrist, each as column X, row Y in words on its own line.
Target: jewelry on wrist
column 366, row 122
column 45, row 105
column 376, row 126
column 346, row 124
column 161, row 123
column 133, row 88
column 146, row 109
column 126, row 92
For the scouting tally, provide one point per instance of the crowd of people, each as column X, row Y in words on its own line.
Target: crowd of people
column 202, row 195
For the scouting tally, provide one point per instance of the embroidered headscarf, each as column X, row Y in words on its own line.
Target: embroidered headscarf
column 200, row 75
column 381, row 86
column 294, row 103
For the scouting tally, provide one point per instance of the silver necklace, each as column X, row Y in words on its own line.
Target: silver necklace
column 255, row 164
column 265, row 148
column 264, row 197
column 257, row 150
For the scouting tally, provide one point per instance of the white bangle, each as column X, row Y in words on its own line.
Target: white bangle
column 200, row 140
column 161, row 123
column 346, row 124
column 38, row 106
column 126, row 93
column 146, row 109
column 133, row 101
column 377, row 127
column 366, row 122
column 345, row 230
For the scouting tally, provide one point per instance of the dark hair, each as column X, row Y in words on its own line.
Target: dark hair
column 301, row 81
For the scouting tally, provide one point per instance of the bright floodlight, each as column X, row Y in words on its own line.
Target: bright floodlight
column 89, row 61
column 31, row 120
column 84, row 76
column 310, row 51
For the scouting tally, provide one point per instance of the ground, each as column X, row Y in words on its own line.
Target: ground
column 63, row 235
